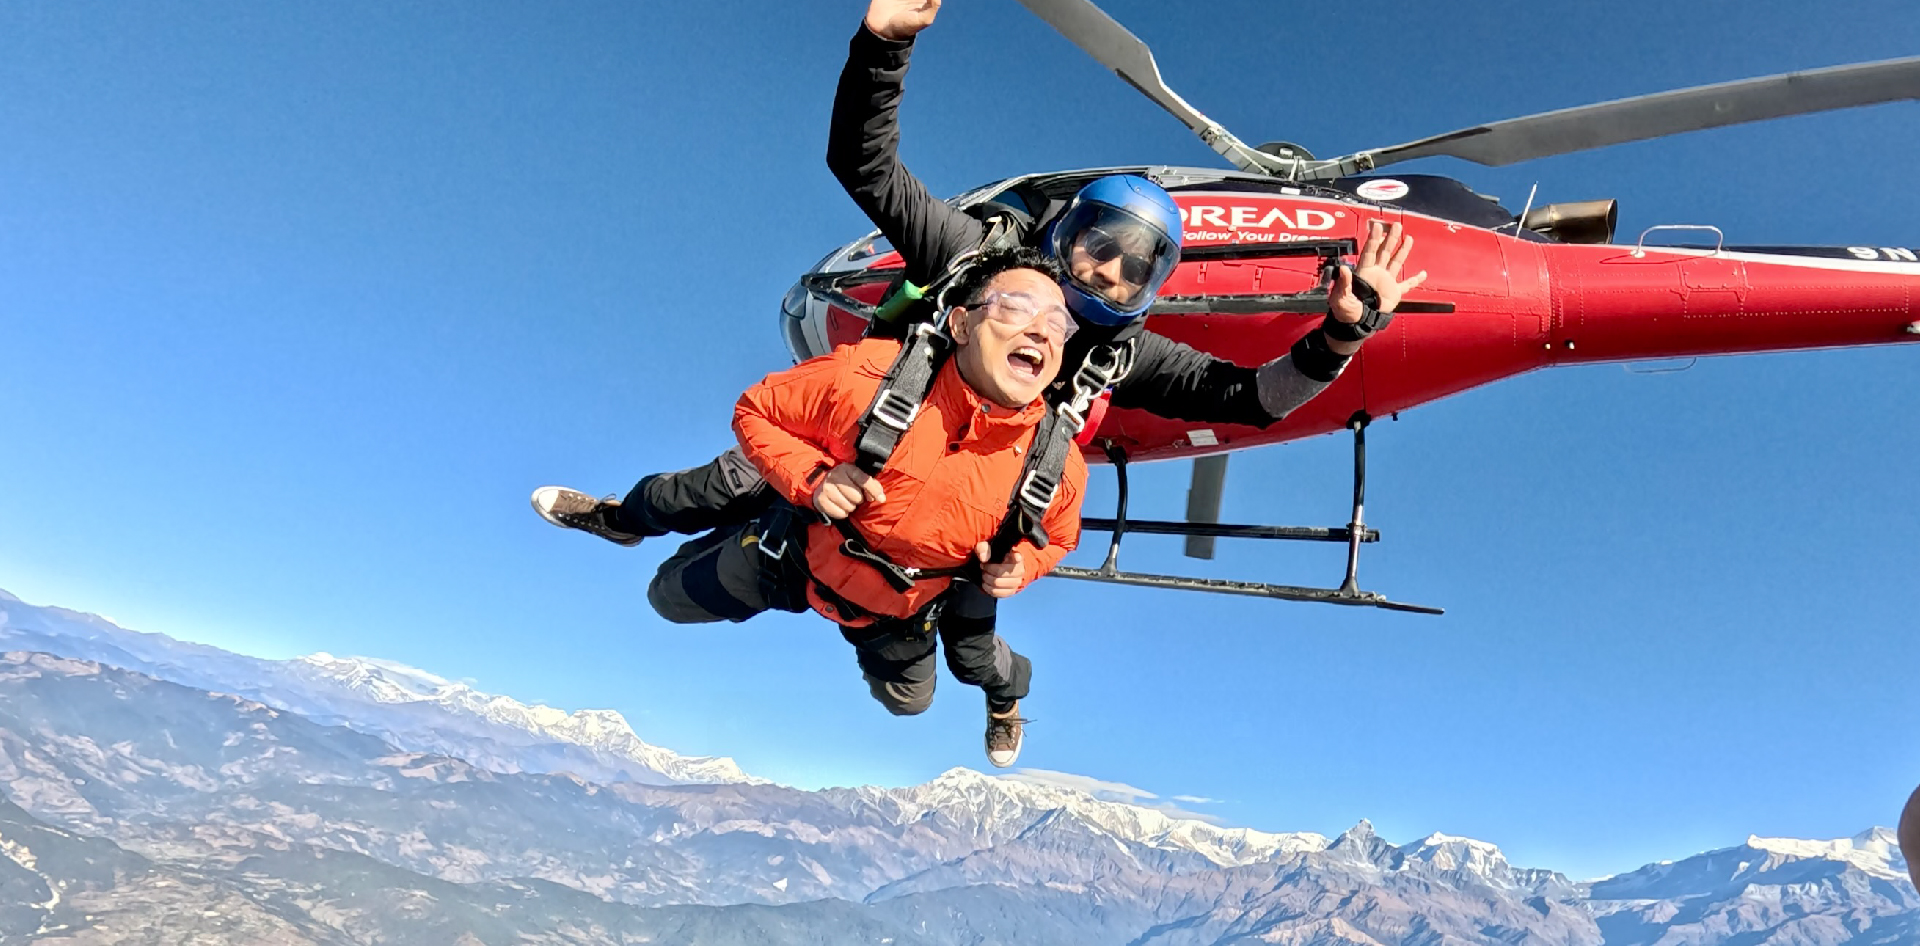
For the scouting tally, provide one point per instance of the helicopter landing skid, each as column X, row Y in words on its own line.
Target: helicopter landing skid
column 1355, row 533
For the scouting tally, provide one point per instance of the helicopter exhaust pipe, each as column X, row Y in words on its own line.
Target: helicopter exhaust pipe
column 1586, row 221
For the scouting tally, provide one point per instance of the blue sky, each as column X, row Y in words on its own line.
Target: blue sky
column 297, row 304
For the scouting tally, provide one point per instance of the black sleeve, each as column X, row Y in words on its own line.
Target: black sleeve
column 1184, row 383
column 863, row 152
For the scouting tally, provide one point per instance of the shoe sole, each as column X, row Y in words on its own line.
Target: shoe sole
column 554, row 493
column 546, row 509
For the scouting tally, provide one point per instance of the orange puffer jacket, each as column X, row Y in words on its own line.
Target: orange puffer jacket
column 947, row 483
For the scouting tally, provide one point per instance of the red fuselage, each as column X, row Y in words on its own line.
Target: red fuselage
column 1518, row 305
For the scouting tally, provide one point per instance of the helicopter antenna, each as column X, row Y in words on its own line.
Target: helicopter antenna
column 1520, row 222
column 1649, row 116
column 1109, row 43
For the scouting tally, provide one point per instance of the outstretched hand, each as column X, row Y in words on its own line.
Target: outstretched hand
column 1381, row 258
column 843, row 489
column 900, row 19
column 1001, row 579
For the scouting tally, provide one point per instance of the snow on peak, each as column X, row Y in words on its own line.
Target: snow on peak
column 962, row 774
column 602, row 731
column 1444, row 852
column 1013, row 802
column 1437, row 842
column 1875, row 851
column 1436, row 839
column 1877, row 835
column 384, row 680
column 1360, row 832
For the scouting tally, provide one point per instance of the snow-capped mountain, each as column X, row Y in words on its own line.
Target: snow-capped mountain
column 136, row 798
column 1766, row 890
column 419, row 711
column 997, row 807
column 408, row 708
column 144, row 793
column 1874, row 854
column 1875, row 851
column 533, row 738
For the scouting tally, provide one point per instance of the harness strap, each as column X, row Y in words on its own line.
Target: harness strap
column 901, row 577
column 1046, row 464
column 897, row 403
column 1039, row 481
column 781, row 536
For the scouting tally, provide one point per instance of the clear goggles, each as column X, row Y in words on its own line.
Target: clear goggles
column 1020, row 310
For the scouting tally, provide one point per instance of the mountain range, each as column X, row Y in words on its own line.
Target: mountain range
column 153, row 790
column 409, row 708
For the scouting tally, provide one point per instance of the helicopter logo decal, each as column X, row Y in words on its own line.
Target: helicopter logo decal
column 1898, row 254
column 1255, row 223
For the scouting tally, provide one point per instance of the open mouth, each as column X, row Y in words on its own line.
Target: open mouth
column 1026, row 362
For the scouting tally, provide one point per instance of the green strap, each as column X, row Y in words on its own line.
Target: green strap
column 906, row 295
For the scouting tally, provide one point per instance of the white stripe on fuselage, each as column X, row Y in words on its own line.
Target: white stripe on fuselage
column 1784, row 259
column 1893, row 267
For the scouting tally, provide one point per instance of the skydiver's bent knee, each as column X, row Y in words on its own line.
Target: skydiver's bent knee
column 902, row 699
column 709, row 579
column 670, row 602
column 897, row 661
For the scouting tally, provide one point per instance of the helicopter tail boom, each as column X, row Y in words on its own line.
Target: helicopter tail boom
column 1619, row 303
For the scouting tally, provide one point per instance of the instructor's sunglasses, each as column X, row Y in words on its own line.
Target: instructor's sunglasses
column 1019, row 310
column 1102, row 246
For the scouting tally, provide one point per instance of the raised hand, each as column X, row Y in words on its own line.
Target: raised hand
column 1381, row 258
column 844, row 489
column 900, row 19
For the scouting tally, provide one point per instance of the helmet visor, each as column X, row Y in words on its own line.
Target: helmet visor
column 1115, row 255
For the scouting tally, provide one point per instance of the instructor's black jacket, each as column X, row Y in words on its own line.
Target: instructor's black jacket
column 863, row 151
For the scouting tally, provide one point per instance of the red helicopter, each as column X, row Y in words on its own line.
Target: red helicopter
column 1506, row 292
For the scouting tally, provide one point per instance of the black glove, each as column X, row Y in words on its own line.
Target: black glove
column 1372, row 321
column 1312, row 358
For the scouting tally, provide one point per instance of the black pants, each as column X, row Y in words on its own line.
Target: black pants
column 897, row 659
column 728, row 491
column 724, row 576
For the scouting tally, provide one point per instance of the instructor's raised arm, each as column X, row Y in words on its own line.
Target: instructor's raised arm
column 863, row 143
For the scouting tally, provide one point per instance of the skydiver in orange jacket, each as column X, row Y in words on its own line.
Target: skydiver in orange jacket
column 928, row 515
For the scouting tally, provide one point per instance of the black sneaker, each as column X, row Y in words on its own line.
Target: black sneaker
column 572, row 509
column 1004, row 735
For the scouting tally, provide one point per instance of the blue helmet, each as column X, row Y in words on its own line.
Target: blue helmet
column 1119, row 239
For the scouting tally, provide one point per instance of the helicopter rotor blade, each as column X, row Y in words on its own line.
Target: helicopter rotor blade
column 1650, row 116
column 1112, row 45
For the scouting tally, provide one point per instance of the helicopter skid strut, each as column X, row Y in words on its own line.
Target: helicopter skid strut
column 1354, row 534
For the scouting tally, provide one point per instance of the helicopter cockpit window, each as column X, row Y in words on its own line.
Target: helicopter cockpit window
column 797, row 310
column 1011, row 197
column 874, row 245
